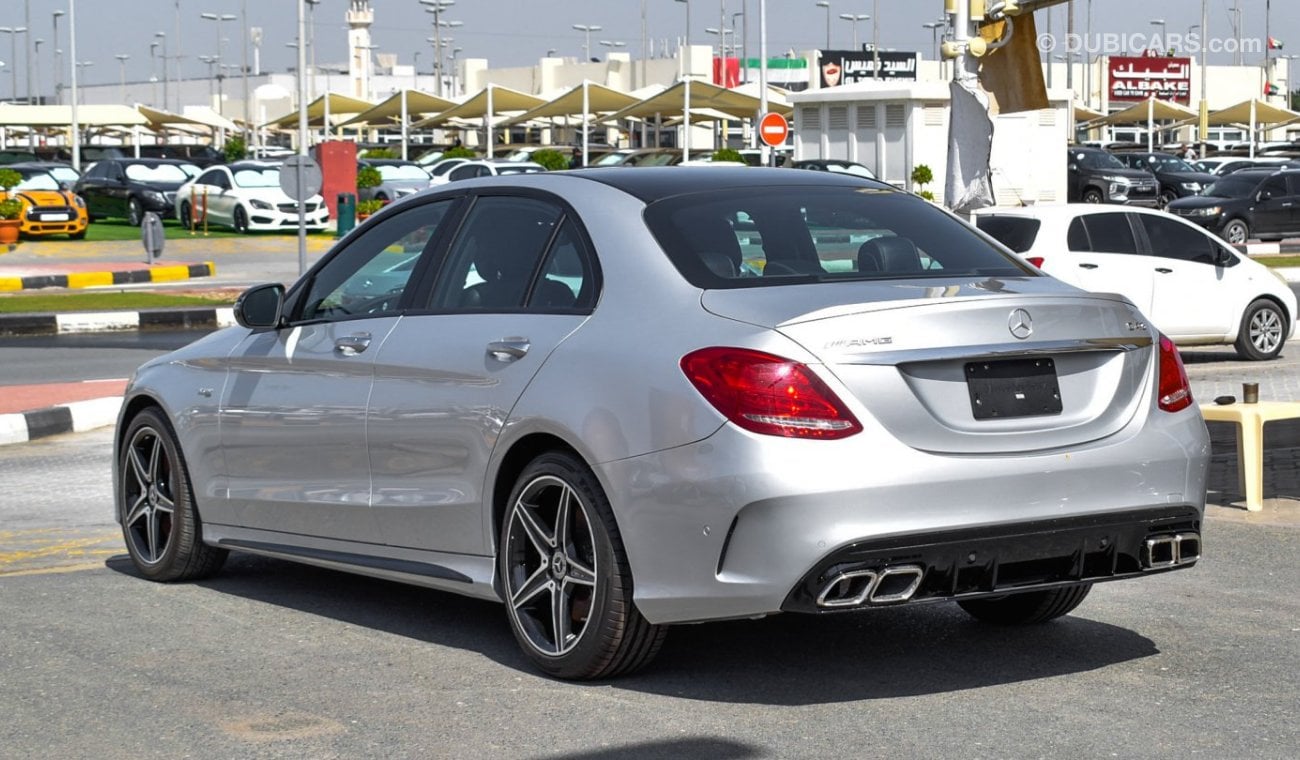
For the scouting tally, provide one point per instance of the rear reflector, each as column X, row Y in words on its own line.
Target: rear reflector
column 1175, row 390
column 1036, row 261
column 767, row 394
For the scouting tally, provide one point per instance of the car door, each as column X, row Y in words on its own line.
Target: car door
column 1191, row 293
column 1105, row 258
column 1273, row 207
column 518, row 279
column 221, row 199
column 293, row 414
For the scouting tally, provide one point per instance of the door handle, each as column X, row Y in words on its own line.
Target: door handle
column 1288, row 204
column 351, row 345
column 509, row 349
column 1087, row 266
column 1162, row 270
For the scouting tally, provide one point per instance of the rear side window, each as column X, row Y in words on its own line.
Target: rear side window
column 1172, row 239
column 1015, row 232
column 1110, row 233
column 1077, row 237
column 1293, row 184
column 776, row 236
column 499, row 250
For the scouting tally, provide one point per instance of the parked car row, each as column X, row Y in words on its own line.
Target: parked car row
column 1151, row 179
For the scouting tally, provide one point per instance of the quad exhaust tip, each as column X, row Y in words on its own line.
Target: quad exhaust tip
column 856, row 587
column 1171, row 550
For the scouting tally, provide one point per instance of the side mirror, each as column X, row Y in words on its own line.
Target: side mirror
column 1074, row 167
column 1264, row 195
column 260, row 306
column 1222, row 257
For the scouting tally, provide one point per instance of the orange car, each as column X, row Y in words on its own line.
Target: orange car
column 48, row 208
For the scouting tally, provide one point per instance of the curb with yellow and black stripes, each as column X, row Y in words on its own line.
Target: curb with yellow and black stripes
column 174, row 273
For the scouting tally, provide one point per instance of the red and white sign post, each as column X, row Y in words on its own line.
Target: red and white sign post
column 773, row 129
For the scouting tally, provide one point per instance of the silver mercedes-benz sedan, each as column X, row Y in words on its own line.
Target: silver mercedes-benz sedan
column 616, row 400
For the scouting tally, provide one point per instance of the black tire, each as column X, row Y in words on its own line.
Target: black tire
column 134, row 212
column 241, row 220
column 1236, row 231
column 186, row 215
column 77, row 235
column 585, row 576
column 1027, row 608
column 1093, row 195
column 1167, row 197
column 164, row 545
column 1263, row 331
column 382, row 198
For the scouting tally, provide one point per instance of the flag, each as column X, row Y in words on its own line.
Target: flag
column 1274, row 43
column 1271, row 89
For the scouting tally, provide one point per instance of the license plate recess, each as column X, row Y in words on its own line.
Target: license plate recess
column 1010, row 388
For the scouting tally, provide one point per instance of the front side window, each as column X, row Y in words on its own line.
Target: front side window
column 492, row 264
column 780, row 236
column 1172, row 239
column 370, row 276
column 1110, row 233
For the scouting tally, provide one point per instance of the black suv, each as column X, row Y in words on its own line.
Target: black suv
column 128, row 187
column 1177, row 178
column 1250, row 203
column 1098, row 177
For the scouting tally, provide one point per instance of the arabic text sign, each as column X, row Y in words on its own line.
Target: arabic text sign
column 1140, row 78
column 850, row 66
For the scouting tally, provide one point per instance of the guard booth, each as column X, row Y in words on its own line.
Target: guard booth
column 892, row 127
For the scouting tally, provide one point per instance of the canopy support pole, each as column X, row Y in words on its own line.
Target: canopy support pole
column 586, row 121
column 487, row 124
column 405, row 134
column 1253, row 127
column 686, row 120
column 1151, row 126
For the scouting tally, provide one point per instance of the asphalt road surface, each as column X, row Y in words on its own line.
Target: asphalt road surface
column 272, row 659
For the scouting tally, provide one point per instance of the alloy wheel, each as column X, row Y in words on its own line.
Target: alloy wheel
column 149, row 496
column 551, row 565
column 1266, row 330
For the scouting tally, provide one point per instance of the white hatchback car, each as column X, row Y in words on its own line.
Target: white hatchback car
column 1192, row 285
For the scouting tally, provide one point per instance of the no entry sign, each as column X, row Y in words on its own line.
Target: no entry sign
column 773, row 129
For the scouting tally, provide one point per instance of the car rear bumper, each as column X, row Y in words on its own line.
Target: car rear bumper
column 740, row 525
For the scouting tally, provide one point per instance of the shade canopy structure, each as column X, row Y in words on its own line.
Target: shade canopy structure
column 204, row 117
column 331, row 104
column 486, row 104
column 389, row 111
column 61, row 116
column 1251, row 114
column 1147, row 112
column 599, row 99
column 1083, row 114
column 674, row 101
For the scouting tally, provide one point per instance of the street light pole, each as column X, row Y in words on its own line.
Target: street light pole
column 36, row 45
column 688, row 21
column 72, row 53
column 13, row 33
column 436, row 7
column 27, row 23
column 587, row 29
column 122, row 58
column 854, row 18
column 58, row 62
column 826, row 4
column 219, row 17
column 166, row 71
column 243, row 13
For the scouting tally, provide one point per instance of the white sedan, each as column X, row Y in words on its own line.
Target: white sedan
column 1193, row 286
column 245, row 196
column 472, row 169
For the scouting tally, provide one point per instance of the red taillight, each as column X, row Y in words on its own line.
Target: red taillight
column 768, row 394
column 1175, row 390
column 1036, row 261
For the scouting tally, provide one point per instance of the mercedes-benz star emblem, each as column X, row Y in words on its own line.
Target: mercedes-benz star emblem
column 1021, row 324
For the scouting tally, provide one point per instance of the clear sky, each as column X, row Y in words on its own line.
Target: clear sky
column 518, row 32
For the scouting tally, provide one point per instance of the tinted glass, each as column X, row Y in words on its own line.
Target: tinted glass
column 1274, row 185
column 1015, row 232
column 496, row 255
column 443, row 168
column 464, row 171
column 1232, row 187
column 1174, row 240
column 1171, row 164
column 1091, row 160
column 772, row 236
column 1293, row 184
column 1076, row 239
column 568, row 279
column 369, row 277
column 1110, row 233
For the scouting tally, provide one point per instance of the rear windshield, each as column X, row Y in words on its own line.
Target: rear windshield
column 783, row 236
column 1015, row 232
